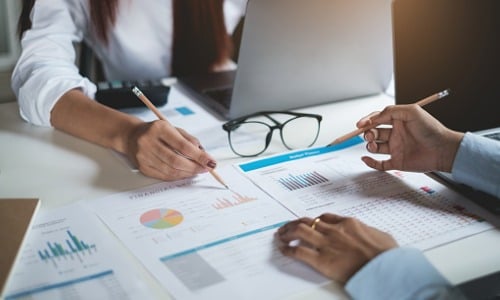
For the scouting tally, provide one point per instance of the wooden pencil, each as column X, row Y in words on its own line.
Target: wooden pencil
column 160, row 116
column 423, row 102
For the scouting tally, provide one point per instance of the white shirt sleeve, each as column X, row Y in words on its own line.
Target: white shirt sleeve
column 234, row 10
column 399, row 274
column 477, row 164
column 46, row 69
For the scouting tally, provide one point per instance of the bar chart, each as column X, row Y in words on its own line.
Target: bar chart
column 300, row 181
column 222, row 203
column 72, row 248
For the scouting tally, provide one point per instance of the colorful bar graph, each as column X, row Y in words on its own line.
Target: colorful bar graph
column 74, row 248
column 238, row 199
column 295, row 182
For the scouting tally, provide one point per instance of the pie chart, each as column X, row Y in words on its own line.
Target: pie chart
column 161, row 218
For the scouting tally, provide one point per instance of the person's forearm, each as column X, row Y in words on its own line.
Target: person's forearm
column 82, row 117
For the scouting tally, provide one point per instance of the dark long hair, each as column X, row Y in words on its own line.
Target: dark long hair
column 200, row 39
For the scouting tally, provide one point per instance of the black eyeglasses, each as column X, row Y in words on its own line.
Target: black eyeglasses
column 251, row 135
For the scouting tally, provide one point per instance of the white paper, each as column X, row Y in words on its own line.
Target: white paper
column 65, row 256
column 414, row 208
column 202, row 241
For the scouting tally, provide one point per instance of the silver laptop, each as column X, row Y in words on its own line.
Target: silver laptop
column 297, row 53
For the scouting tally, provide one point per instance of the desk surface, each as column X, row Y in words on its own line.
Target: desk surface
column 59, row 169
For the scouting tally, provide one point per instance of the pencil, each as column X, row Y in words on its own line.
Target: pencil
column 359, row 131
column 160, row 116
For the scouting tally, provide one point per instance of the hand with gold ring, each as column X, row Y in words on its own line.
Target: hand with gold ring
column 335, row 246
column 313, row 225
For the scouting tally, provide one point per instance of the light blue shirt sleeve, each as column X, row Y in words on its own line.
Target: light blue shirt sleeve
column 400, row 273
column 477, row 164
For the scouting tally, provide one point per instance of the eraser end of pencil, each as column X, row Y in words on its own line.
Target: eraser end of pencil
column 444, row 93
column 136, row 91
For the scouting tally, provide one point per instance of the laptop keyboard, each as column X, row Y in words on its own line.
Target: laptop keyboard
column 222, row 96
column 494, row 135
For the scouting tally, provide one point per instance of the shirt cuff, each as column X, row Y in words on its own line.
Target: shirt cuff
column 477, row 163
column 400, row 273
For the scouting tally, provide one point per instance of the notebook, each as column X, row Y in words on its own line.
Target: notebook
column 16, row 216
column 297, row 53
column 457, row 47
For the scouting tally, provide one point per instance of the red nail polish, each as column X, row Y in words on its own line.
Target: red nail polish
column 212, row 164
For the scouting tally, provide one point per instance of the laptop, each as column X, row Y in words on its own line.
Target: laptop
column 482, row 288
column 456, row 47
column 297, row 53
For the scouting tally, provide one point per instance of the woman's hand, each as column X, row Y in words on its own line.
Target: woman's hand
column 157, row 148
column 163, row 151
column 337, row 246
column 415, row 142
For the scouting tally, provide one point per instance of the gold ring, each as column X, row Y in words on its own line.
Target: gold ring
column 316, row 221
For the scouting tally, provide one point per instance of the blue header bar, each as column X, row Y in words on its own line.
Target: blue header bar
column 266, row 162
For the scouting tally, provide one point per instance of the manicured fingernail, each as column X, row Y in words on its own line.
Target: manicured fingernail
column 211, row 164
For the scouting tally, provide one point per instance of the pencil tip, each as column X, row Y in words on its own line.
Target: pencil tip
column 333, row 143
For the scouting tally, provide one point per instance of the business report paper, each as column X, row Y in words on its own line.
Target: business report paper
column 65, row 256
column 417, row 210
column 202, row 241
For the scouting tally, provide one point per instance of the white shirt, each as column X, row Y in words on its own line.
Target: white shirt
column 139, row 47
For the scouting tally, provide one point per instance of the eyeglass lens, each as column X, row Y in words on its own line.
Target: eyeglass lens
column 300, row 132
column 252, row 137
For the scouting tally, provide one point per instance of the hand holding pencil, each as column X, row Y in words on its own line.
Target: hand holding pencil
column 367, row 127
column 414, row 140
column 182, row 152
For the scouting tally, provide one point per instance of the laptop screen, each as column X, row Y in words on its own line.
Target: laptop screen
column 297, row 53
column 451, row 44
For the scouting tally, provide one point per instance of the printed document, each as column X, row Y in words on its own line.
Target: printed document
column 66, row 256
column 417, row 210
column 202, row 241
